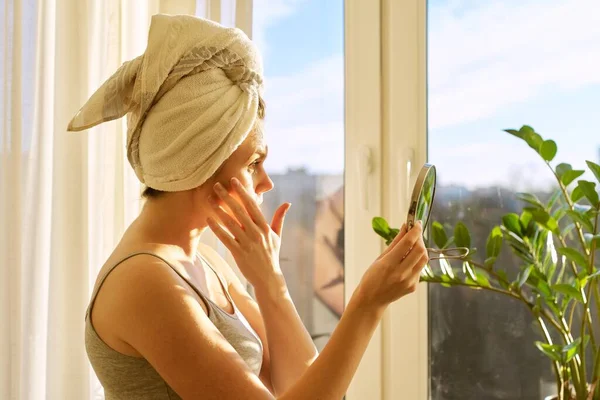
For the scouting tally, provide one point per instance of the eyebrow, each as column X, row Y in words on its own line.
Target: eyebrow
column 261, row 151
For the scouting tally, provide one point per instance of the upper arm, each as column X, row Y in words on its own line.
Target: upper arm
column 247, row 306
column 165, row 322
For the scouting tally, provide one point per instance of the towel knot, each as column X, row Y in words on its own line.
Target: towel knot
column 184, row 114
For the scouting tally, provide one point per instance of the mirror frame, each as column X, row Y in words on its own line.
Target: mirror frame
column 416, row 194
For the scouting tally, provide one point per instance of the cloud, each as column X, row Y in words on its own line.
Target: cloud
column 487, row 56
column 305, row 117
column 267, row 13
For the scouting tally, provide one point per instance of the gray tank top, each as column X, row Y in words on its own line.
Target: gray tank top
column 132, row 378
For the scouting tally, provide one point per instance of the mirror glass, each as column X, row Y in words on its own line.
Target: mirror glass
column 421, row 203
column 422, row 197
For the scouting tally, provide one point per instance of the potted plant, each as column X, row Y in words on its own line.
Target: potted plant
column 556, row 243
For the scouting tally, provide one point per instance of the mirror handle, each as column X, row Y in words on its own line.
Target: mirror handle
column 365, row 167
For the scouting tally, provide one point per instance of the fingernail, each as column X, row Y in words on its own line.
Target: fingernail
column 289, row 206
column 235, row 182
column 218, row 186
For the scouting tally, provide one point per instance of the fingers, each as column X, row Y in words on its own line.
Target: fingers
column 422, row 262
column 414, row 256
column 236, row 208
column 397, row 239
column 416, row 276
column 223, row 235
column 249, row 203
column 279, row 218
column 229, row 222
column 404, row 245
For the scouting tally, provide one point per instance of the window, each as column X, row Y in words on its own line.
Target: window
column 495, row 65
column 304, row 94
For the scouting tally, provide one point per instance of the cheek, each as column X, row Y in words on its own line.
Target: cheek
column 246, row 178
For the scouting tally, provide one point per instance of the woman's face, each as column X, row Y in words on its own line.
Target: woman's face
column 247, row 165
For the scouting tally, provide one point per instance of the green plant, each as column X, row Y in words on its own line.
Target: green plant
column 556, row 243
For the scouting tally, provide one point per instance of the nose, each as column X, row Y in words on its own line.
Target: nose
column 265, row 184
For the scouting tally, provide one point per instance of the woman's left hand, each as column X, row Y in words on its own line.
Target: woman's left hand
column 253, row 242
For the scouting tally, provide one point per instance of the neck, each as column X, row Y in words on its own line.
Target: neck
column 172, row 219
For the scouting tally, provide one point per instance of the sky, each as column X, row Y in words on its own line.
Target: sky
column 492, row 65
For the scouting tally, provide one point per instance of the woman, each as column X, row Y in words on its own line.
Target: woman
column 168, row 319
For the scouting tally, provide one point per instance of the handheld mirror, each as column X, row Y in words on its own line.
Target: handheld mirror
column 421, row 203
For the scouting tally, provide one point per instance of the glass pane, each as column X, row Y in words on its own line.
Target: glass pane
column 497, row 65
column 304, row 94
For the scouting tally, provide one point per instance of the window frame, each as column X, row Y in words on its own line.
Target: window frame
column 404, row 83
column 362, row 121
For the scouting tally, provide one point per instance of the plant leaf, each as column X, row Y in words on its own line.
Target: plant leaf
column 462, row 237
column 526, row 130
column 548, row 150
column 592, row 240
column 524, row 275
column 543, row 218
column 531, row 199
column 543, row 288
column 562, row 168
column 494, row 243
column 515, row 133
column 503, row 282
column 553, row 199
column 525, row 219
column 589, row 190
column 570, row 176
column 381, row 227
column 511, row 222
column 446, row 268
column 481, row 278
column 593, row 275
column 582, row 219
column 573, row 255
column 551, row 350
column 469, row 272
column 595, row 168
column 577, row 194
column 489, row 262
column 568, row 291
column 439, row 235
column 534, row 141
column 570, row 350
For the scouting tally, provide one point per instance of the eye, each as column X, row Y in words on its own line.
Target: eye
column 255, row 164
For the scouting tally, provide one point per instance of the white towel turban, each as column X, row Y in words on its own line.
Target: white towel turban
column 191, row 99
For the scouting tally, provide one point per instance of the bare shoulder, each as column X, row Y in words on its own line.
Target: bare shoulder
column 162, row 320
column 136, row 280
column 142, row 275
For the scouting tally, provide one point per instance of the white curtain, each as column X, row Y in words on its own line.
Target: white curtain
column 65, row 198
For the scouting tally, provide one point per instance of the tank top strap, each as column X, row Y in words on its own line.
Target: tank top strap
column 219, row 276
column 101, row 282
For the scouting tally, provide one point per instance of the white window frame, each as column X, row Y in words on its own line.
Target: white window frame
column 404, row 83
column 386, row 112
column 362, row 194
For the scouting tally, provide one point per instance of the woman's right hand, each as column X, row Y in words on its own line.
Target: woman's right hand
column 395, row 273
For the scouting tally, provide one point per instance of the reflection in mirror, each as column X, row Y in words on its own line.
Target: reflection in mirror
column 421, row 203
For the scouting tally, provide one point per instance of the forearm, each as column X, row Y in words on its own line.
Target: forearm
column 291, row 348
column 331, row 373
